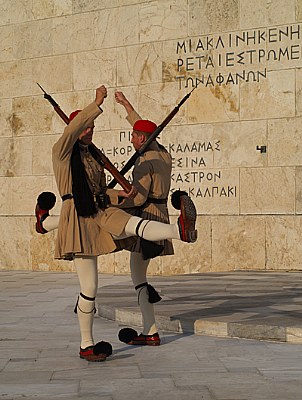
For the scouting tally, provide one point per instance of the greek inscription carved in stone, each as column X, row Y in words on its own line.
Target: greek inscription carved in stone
column 197, row 58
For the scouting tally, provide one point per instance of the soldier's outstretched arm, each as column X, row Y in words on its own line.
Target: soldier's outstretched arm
column 121, row 99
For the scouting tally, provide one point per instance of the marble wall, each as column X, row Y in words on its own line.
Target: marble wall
column 244, row 61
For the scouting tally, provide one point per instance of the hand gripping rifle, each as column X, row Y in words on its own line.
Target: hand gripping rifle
column 101, row 158
column 129, row 164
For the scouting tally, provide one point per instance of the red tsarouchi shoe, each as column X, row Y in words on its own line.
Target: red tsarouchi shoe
column 96, row 353
column 187, row 220
column 88, row 354
column 146, row 340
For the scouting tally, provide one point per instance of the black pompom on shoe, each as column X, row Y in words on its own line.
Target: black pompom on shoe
column 46, row 200
column 126, row 335
column 175, row 198
column 102, row 348
column 97, row 353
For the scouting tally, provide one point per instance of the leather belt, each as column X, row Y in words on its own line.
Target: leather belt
column 149, row 199
column 67, row 196
column 156, row 201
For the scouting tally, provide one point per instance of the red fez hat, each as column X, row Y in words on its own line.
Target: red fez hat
column 144, row 126
column 73, row 114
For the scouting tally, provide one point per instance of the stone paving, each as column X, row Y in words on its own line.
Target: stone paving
column 39, row 340
column 251, row 305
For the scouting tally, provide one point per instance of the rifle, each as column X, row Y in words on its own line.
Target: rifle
column 100, row 156
column 129, row 164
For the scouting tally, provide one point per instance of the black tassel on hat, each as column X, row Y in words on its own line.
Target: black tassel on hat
column 83, row 197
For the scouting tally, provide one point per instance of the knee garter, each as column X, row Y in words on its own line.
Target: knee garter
column 153, row 296
column 78, row 307
column 139, row 225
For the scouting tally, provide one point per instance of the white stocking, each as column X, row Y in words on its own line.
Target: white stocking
column 151, row 230
column 51, row 222
column 88, row 277
column 138, row 267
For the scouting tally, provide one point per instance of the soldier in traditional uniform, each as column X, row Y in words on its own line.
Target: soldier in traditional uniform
column 152, row 178
column 90, row 224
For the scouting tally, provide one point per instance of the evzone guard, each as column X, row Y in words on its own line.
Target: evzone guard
column 91, row 223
